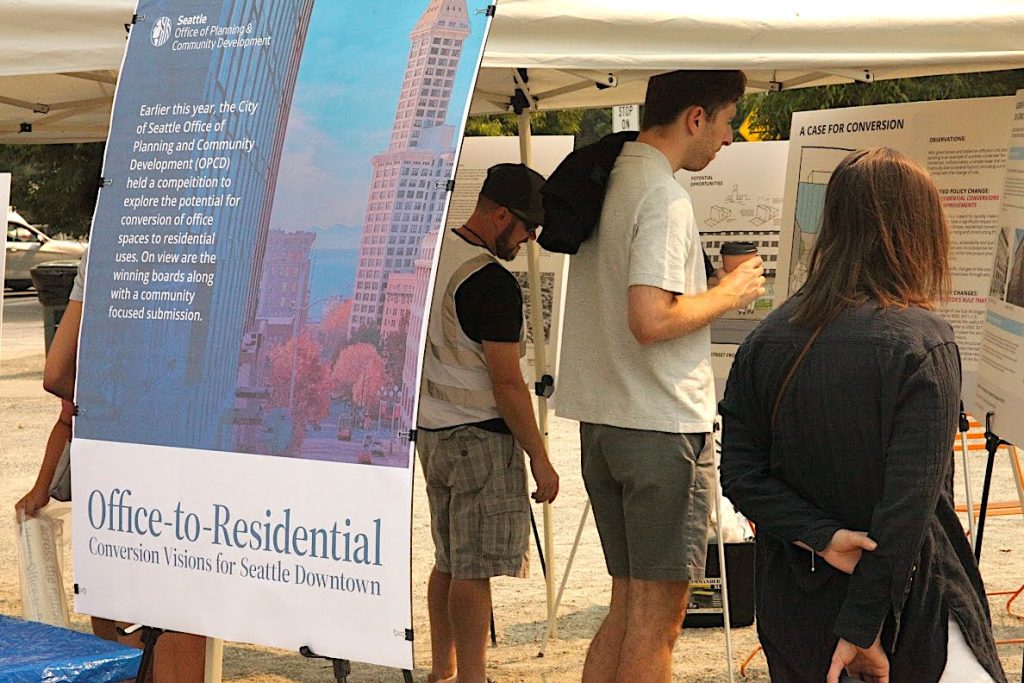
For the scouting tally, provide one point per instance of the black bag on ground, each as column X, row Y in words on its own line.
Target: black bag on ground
column 574, row 194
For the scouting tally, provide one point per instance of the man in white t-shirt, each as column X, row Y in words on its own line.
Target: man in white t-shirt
column 636, row 371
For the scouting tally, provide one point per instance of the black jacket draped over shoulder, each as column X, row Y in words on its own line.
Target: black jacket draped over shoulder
column 862, row 441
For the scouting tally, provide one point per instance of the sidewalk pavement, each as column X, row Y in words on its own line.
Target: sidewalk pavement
column 21, row 334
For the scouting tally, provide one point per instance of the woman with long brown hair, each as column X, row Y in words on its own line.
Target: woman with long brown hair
column 837, row 422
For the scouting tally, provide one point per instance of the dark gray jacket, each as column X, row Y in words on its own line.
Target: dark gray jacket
column 862, row 441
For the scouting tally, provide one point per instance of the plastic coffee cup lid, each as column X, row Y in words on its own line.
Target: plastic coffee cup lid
column 738, row 248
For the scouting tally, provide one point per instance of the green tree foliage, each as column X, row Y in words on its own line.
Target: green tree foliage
column 773, row 112
column 588, row 125
column 54, row 185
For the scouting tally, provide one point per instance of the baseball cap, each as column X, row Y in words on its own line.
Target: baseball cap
column 517, row 188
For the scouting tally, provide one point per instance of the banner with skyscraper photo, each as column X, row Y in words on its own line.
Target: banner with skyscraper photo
column 260, row 259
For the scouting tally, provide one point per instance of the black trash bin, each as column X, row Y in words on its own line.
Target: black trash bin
column 53, row 282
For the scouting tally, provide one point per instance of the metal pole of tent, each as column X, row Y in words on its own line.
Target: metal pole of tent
column 721, row 565
column 541, row 368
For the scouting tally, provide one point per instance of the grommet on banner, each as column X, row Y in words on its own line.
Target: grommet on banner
column 490, row 10
column 410, row 435
column 409, row 634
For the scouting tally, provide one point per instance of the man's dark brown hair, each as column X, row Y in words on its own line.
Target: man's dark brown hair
column 670, row 94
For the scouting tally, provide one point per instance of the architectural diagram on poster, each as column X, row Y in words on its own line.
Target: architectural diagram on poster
column 814, row 171
column 738, row 198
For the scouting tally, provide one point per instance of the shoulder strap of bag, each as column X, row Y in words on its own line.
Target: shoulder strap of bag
column 792, row 371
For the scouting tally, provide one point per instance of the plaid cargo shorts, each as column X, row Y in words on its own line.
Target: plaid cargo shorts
column 479, row 506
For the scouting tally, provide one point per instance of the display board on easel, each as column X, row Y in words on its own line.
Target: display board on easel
column 956, row 141
column 1001, row 369
column 249, row 349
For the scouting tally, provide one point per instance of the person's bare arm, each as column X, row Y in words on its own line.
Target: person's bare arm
column 39, row 495
column 513, row 399
column 657, row 315
column 59, row 373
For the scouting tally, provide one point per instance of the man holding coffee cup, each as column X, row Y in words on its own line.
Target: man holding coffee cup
column 636, row 371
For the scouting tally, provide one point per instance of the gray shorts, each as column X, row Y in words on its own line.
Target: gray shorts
column 651, row 494
column 479, row 504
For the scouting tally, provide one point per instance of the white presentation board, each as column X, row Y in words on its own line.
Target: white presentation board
column 962, row 143
column 738, row 198
column 1001, row 367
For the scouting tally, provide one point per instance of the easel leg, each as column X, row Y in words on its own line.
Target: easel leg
column 342, row 668
column 992, row 444
column 540, row 547
column 549, row 633
column 149, row 637
column 726, row 622
column 964, row 426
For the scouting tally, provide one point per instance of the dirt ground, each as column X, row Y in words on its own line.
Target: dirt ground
column 26, row 414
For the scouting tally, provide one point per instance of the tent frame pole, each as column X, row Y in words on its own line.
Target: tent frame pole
column 541, row 369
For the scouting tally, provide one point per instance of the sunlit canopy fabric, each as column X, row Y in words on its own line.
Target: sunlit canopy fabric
column 59, row 58
column 58, row 67
column 598, row 53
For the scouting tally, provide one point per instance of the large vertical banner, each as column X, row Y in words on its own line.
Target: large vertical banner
column 250, row 339
column 962, row 144
column 1001, row 370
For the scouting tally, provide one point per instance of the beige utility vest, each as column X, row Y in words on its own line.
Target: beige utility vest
column 456, row 387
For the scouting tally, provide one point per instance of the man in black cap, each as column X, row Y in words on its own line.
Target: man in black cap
column 476, row 419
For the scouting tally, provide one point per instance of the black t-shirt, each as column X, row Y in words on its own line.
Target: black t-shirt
column 489, row 305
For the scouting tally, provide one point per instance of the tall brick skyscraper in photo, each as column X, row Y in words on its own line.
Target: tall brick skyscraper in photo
column 403, row 203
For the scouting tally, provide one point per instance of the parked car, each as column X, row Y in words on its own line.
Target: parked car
column 27, row 247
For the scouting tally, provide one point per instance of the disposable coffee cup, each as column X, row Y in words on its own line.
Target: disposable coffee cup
column 735, row 253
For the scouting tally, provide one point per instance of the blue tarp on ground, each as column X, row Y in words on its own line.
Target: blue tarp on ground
column 31, row 652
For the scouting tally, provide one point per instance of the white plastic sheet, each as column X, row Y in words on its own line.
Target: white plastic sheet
column 40, row 565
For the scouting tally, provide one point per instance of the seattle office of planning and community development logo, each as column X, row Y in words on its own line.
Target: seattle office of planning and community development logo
column 161, row 31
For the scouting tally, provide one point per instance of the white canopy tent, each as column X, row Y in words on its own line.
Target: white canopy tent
column 543, row 55
column 60, row 57
column 58, row 68
column 599, row 53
